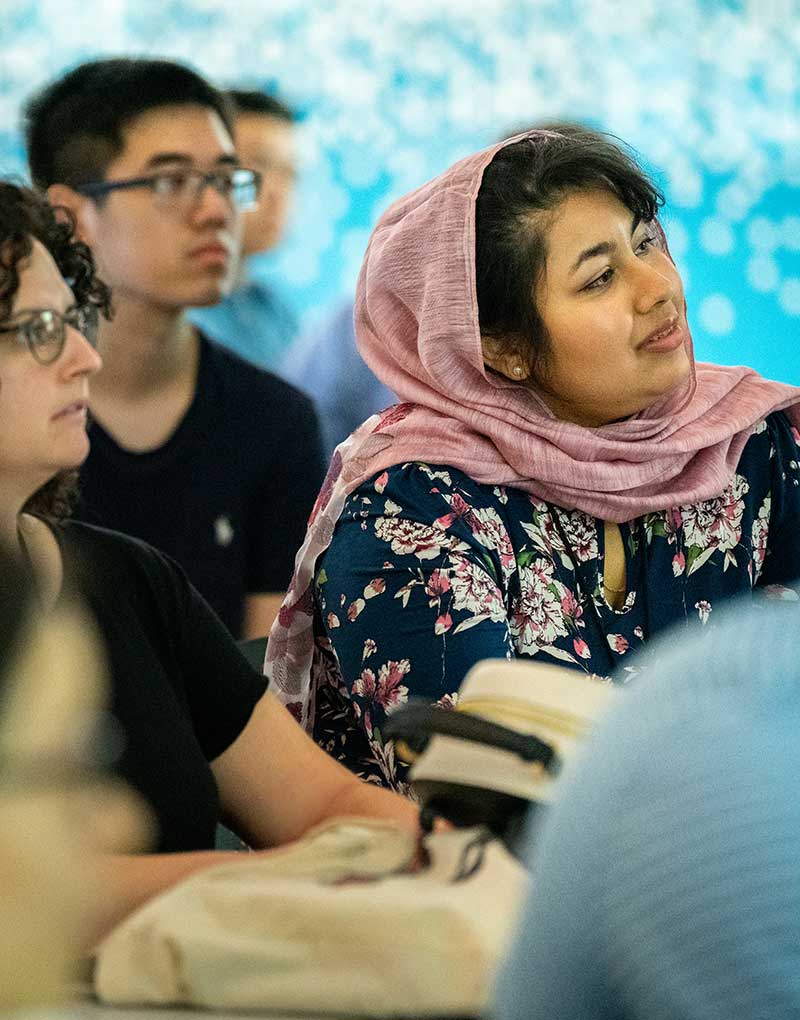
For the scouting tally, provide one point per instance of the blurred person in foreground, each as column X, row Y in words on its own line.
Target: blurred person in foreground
column 210, row 459
column 254, row 320
column 666, row 876
column 561, row 481
column 202, row 738
column 59, row 811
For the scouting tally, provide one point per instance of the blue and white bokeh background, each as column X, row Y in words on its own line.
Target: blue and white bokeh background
column 395, row 90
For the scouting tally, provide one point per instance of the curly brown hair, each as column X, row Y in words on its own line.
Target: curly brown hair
column 24, row 215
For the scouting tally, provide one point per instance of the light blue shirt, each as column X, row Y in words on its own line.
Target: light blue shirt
column 326, row 365
column 254, row 321
column 667, row 877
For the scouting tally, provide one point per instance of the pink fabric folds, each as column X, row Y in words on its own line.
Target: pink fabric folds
column 417, row 328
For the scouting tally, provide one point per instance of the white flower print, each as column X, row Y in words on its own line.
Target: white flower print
column 486, row 525
column 714, row 524
column 443, row 476
column 386, row 689
column 703, row 611
column 410, row 538
column 538, row 617
column 580, row 532
column 760, row 533
column 617, row 643
column 475, row 592
column 544, row 534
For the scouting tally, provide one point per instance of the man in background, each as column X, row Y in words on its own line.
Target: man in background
column 193, row 449
column 254, row 320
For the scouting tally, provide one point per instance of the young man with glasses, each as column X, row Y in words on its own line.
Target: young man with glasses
column 194, row 450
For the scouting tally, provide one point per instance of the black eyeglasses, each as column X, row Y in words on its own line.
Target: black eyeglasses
column 180, row 190
column 44, row 331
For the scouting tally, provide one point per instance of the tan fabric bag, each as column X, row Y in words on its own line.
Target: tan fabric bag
column 328, row 925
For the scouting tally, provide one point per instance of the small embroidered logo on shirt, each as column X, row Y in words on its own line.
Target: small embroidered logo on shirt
column 223, row 530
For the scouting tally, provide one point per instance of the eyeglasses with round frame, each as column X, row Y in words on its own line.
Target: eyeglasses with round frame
column 44, row 331
column 181, row 189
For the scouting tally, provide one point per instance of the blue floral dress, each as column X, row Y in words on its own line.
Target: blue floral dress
column 429, row 571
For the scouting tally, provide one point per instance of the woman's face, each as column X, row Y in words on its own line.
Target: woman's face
column 613, row 308
column 43, row 408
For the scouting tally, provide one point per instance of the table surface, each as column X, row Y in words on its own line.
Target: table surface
column 95, row 1011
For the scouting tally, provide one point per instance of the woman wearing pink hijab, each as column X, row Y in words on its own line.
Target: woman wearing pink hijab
column 561, row 481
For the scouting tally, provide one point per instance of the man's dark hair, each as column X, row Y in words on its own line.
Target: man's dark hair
column 524, row 180
column 74, row 126
column 254, row 101
column 25, row 215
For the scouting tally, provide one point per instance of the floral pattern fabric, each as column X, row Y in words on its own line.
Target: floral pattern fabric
column 429, row 572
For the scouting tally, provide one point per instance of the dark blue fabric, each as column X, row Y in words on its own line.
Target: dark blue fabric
column 429, row 572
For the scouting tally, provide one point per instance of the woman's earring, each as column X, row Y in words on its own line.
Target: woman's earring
column 517, row 370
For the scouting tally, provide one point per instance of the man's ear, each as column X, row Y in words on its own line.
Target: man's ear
column 62, row 196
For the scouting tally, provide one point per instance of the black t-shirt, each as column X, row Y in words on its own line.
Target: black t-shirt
column 180, row 688
column 229, row 494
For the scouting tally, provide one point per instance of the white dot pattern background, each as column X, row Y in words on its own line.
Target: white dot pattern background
column 394, row 90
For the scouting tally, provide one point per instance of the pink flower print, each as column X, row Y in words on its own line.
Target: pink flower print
column 438, row 583
column 581, row 534
column 369, row 649
column 618, row 643
column 581, row 648
column 286, row 616
column 639, row 633
column 460, row 510
column 570, row 606
column 448, row 701
column 476, row 592
column 443, row 623
column 387, row 689
column 759, row 536
column 391, row 693
column 333, row 621
column 354, row 609
column 381, row 481
column 780, row 593
column 715, row 524
column 410, row 538
column 703, row 611
column 538, row 619
column 673, row 521
column 678, row 564
column 365, row 685
column 377, row 586
column 392, row 415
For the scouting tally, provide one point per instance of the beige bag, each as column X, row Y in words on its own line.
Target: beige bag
column 327, row 925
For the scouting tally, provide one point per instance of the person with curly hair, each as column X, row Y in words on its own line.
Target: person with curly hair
column 199, row 452
column 201, row 737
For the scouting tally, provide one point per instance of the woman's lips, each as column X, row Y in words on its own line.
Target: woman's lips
column 670, row 338
column 77, row 408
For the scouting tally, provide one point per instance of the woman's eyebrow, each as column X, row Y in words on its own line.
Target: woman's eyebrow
column 603, row 248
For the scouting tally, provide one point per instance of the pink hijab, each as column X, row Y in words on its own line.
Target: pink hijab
column 417, row 328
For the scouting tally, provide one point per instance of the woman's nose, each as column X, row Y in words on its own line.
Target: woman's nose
column 656, row 283
column 80, row 356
